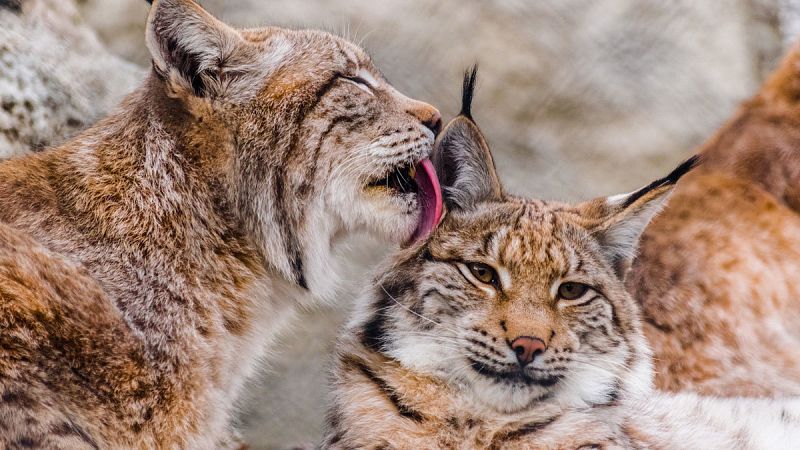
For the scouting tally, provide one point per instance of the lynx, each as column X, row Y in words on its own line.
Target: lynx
column 717, row 273
column 510, row 327
column 146, row 264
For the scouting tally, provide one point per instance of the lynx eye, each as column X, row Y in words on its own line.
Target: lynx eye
column 571, row 290
column 357, row 80
column 360, row 83
column 483, row 273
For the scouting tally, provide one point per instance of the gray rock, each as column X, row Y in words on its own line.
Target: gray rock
column 56, row 77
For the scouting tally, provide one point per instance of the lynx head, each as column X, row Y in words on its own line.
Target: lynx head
column 516, row 301
column 312, row 140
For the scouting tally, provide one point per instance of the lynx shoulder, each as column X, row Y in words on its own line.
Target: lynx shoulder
column 717, row 270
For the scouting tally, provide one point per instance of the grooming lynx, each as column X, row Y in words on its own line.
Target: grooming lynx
column 146, row 264
column 511, row 328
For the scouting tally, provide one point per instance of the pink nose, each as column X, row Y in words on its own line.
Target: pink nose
column 527, row 348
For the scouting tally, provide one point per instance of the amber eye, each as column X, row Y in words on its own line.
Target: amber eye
column 483, row 273
column 571, row 290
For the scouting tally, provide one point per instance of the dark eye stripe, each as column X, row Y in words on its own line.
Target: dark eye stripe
column 323, row 90
column 585, row 302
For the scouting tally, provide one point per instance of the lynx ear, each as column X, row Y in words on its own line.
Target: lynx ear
column 462, row 158
column 190, row 47
column 617, row 222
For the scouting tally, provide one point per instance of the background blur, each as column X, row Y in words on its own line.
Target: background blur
column 578, row 98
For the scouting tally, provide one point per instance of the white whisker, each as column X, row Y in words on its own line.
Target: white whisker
column 416, row 313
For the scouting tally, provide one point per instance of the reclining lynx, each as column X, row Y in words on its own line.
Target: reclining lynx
column 716, row 275
column 510, row 327
column 145, row 264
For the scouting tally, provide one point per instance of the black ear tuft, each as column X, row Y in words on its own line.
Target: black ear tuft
column 617, row 222
column 670, row 179
column 468, row 91
column 462, row 158
column 149, row 1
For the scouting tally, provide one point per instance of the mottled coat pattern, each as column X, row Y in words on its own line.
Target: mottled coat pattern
column 511, row 328
column 148, row 263
column 717, row 272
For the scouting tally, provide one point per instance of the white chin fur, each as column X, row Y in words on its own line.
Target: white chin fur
column 580, row 388
column 423, row 355
column 505, row 398
column 393, row 219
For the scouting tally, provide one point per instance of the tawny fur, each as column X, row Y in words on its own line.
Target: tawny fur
column 429, row 360
column 147, row 264
column 718, row 269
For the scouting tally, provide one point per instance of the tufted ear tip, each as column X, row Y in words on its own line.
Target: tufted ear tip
column 619, row 221
column 668, row 181
column 461, row 156
column 468, row 91
column 465, row 166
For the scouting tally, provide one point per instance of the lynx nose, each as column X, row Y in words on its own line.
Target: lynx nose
column 434, row 122
column 527, row 348
column 428, row 115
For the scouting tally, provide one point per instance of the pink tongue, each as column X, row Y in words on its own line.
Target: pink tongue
column 429, row 195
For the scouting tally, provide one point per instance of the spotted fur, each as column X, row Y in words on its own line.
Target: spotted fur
column 147, row 264
column 429, row 361
column 717, row 273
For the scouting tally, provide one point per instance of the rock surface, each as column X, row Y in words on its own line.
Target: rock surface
column 56, row 77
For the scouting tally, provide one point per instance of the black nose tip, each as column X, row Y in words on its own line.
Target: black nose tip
column 427, row 115
column 434, row 124
column 527, row 348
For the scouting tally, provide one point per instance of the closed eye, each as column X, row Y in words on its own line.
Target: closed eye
column 360, row 82
column 357, row 79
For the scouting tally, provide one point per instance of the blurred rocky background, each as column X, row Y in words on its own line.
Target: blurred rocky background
column 56, row 77
column 578, row 98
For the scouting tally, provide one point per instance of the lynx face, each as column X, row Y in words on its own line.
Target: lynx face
column 314, row 138
column 358, row 142
column 516, row 301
